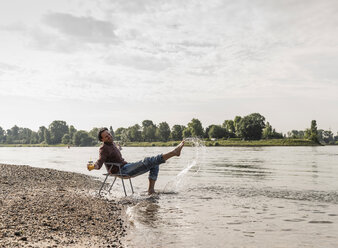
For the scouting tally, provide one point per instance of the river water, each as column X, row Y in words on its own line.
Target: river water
column 220, row 196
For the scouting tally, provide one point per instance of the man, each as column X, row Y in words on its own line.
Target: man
column 110, row 153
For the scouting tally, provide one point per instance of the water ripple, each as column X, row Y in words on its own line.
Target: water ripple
column 309, row 195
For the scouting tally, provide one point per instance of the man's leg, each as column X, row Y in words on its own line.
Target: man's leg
column 150, row 164
column 153, row 173
column 151, row 188
column 175, row 152
column 140, row 167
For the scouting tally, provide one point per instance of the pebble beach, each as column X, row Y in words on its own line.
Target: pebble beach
column 51, row 208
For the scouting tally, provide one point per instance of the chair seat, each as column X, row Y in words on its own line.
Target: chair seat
column 118, row 175
column 124, row 176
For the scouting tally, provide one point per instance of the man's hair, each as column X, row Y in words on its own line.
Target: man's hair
column 100, row 132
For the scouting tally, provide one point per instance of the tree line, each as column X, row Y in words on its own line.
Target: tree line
column 323, row 136
column 250, row 127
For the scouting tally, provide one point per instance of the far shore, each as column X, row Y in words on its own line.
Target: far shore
column 221, row 142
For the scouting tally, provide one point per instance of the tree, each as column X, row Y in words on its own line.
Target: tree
column 335, row 138
column 135, row 133
column 12, row 135
column 47, row 137
column 229, row 125
column 327, row 137
column 207, row 129
column 82, row 138
column 270, row 133
column 186, row 133
column 41, row 134
column 314, row 132
column 313, row 128
column 2, row 136
column 9, row 137
column 132, row 134
column 34, row 139
column 94, row 132
column 163, row 131
column 237, row 120
column 147, row 123
column 196, row 128
column 71, row 131
column 124, row 137
column 66, row 139
column 267, row 131
column 15, row 132
column 176, row 132
column 57, row 129
column 295, row 134
column 111, row 131
column 24, row 136
column 119, row 132
column 148, row 131
column 251, row 126
column 217, row 132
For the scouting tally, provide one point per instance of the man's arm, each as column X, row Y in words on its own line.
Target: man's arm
column 101, row 160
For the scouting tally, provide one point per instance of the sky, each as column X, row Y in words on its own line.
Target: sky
column 95, row 63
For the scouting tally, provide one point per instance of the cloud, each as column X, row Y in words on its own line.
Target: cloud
column 40, row 39
column 198, row 50
column 132, row 6
column 141, row 62
column 14, row 27
column 4, row 67
column 320, row 64
column 86, row 29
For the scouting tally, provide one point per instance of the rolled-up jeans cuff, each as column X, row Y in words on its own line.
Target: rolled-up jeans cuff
column 162, row 159
column 153, row 172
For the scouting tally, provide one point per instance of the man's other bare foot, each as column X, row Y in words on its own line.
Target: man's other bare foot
column 177, row 150
column 151, row 191
column 151, row 187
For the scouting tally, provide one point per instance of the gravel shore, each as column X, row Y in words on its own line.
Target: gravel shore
column 50, row 208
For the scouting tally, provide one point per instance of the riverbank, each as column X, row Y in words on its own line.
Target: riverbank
column 50, row 208
column 33, row 145
column 228, row 142
column 231, row 142
column 269, row 142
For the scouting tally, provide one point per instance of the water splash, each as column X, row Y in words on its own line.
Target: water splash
column 199, row 148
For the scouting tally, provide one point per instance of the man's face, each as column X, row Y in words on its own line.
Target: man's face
column 106, row 137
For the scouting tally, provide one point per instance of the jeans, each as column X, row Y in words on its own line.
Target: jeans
column 150, row 164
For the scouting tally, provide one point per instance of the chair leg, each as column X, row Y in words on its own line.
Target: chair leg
column 124, row 188
column 103, row 184
column 112, row 185
column 131, row 185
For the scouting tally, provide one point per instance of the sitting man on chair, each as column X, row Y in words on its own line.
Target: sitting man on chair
column 109, row 152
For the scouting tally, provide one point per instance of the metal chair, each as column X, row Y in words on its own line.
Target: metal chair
column 119, row 174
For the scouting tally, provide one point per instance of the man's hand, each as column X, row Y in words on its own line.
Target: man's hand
column 90, row 165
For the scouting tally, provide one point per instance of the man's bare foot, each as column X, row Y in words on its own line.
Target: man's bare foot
column 177, row 150
column 151, row 191
column 151, row 188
